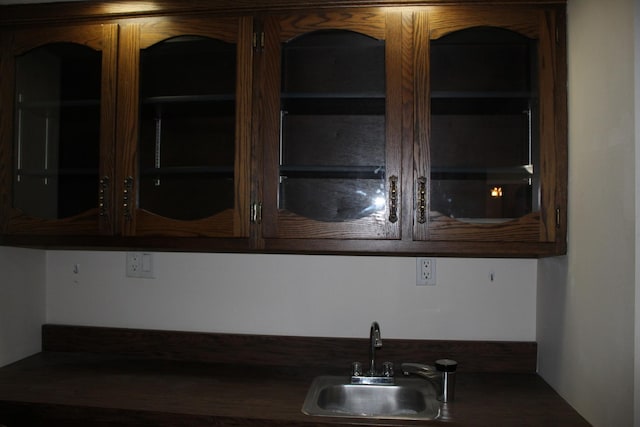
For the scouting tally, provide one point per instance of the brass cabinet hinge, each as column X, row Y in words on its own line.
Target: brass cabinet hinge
column 258, row 40
column 558, row 217
column 256, row 213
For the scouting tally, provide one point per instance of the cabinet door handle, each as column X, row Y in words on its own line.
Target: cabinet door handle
column 103, row 199
column 126, row 197
column 393, row 199
column 422, row 199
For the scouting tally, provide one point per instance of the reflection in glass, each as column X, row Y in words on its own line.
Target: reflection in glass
column 57, row 130
column 187, row 135
column 332, row 155
column 484, row 109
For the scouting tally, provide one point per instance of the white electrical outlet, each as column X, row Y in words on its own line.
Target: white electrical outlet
column 140, row 264
column 425, row 271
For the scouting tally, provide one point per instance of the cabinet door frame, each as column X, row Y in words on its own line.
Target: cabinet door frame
column 382, row 25
column 545, row 225
column 138, row 34
column 95, row 221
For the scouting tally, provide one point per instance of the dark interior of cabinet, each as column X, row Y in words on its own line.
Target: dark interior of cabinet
column 332, row 154
column 484, row 120
column 187, row 134
column 57, row 137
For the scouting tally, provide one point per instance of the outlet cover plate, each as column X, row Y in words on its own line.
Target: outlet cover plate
column 425, row 271
column 140, row 265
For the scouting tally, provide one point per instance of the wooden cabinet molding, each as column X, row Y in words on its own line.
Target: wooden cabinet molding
column 80, row 11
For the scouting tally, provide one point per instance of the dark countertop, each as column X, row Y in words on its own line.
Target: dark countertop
column 82, row 388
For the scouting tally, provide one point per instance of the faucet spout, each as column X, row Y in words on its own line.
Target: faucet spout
column 442, row 376
column 427, row 372
column 375, row 341
column 373, row 376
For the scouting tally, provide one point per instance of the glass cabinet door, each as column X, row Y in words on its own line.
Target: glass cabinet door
column 188, row 172
column 485, row 172
column 187, row 127
column 484, row 119
column 329, row 165
column 61, row 125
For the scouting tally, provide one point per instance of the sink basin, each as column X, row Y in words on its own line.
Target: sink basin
column 408, row 399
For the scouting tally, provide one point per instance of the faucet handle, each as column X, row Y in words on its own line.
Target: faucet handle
column 387, row 369
column 446, row 365
column 356, row 369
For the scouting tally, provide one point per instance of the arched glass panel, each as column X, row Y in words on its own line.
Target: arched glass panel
column 332, row 154
column 187, row 133
column 57, row 130
column 484, row 142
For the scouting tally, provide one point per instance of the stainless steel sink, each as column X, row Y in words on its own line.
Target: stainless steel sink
column 408, row 399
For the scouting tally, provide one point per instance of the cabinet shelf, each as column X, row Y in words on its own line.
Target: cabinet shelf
column 333, row 96
column 471, row 173
column 482, row 105
column 189, row 170
column 336, row 172
column 52, row 173
column 58, row 104
column 440, row 94
column 333, row 104
column 178, row 99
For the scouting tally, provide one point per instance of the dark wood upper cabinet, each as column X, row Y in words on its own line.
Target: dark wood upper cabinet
column 486, row 109
column 184, row 104
column 332, row 94
column 426, row 129
column 58, row 93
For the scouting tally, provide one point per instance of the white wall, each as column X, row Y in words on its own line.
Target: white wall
column 296, row 295
column 586, row 300
column 637, row 278
column 22, row 302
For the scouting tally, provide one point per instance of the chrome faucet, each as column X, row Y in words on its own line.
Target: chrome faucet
column 442, row 376
column 375, row 341
column 373, row 376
